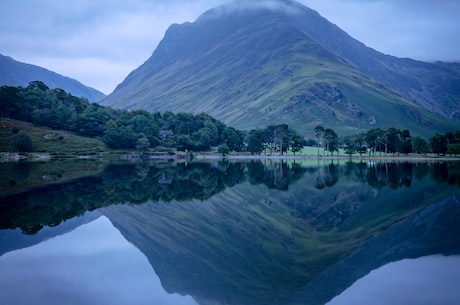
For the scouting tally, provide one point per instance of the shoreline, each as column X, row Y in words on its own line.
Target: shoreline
column 16, row 157
column 324, row 157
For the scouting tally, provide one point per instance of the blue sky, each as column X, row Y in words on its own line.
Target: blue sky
column 100, row 42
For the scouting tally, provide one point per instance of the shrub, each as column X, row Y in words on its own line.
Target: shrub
column 22, row 141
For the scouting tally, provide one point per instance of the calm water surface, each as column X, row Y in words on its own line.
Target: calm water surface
column 93, row 264
column 425, row 280
column 272, row 232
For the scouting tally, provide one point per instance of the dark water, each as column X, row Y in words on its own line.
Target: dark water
column 272, row 232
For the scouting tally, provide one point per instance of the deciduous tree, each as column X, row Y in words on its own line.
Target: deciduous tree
column 255, row 141
column 331, row 140
column 319, row 132
column 438, row 144
column 297, row 143
column 420, row 146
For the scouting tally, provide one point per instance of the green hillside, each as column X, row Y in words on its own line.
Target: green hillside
column 255, row 68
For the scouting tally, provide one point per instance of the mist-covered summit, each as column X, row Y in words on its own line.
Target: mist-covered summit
column 241, row 6
column 254, row 63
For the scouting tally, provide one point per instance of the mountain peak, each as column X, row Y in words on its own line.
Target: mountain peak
column 239, row 6
column 252, row 63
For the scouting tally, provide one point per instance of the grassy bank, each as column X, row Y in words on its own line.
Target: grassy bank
column 48, row 142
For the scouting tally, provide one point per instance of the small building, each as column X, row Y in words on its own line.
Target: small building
column 164, row 134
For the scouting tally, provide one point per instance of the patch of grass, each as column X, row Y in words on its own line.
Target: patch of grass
column 48, row 141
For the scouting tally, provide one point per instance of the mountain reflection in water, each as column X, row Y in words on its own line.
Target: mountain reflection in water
column 427, row 280
column 272, row 232
column 93, row 264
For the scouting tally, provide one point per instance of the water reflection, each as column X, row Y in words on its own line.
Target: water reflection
column 91, row 265
column 428, row 280
column 134, row 184
column 260, row 232
column 140, row 183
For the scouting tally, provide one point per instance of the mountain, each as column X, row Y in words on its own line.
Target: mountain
column 15, row 73
column 253, row 65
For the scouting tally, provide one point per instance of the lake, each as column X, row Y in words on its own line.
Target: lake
column 230, row 233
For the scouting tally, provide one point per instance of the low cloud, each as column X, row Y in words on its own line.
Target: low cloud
column 248, row 5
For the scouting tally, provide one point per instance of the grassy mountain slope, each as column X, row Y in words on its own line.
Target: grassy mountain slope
column 15, row 73
column 251, row 68
column 432, row 86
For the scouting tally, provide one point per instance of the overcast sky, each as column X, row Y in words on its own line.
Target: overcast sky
column 98, row 42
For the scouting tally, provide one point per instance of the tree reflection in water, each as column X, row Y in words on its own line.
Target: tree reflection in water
column 143, row 182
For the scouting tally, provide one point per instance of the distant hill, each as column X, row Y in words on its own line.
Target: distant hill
column 15, row 73
column 283, row 63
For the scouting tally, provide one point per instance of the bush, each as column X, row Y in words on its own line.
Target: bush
column 22, row 141
column 143, row 144
column 223, row 149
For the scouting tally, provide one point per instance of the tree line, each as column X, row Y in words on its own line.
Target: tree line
column 143, row 130
column 274, row 139
column 388, row 141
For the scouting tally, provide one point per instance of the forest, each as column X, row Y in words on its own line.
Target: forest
column 145, row 131
column 118, row 129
